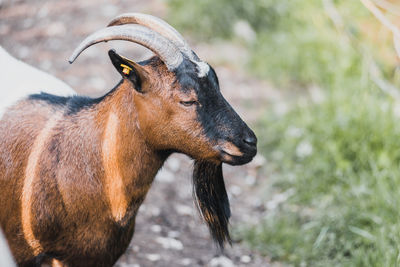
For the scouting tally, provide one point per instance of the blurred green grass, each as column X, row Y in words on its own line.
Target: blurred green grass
column 336, row 158
column 340, row 160
column 296, row 43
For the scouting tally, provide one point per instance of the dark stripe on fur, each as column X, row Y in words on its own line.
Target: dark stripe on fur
column 73, row 104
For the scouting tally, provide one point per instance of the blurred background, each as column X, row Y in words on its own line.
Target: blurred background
column 319, row 82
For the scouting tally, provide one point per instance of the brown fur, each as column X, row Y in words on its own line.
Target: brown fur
column 175, row 127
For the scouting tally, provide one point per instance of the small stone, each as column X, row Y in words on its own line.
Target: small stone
column 173, row 234
column 153, row 257
column 186, row 262
column 235, row 190
column 143, row 208
column 245, row 259
column 221, row 261
column 155, row 228
column 250, row 180
column 154, row 211
column 170, row 243
column 183, row 210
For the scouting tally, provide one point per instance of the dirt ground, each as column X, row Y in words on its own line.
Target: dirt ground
column 169, row 231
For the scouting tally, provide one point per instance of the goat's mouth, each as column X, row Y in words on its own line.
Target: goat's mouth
column 234, row 158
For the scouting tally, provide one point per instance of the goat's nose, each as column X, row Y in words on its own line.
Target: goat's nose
column 250, row 139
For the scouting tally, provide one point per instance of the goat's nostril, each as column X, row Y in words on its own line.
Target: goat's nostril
column 250, row 140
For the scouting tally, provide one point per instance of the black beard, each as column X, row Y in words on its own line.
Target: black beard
column 212, row 201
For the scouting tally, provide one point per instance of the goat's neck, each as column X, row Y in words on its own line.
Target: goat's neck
column 129, row 162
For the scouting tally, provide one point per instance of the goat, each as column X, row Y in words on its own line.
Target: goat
column 6, row 259
column 34, row 80
column 74, row 170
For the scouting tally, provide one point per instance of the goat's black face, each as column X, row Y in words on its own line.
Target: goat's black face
column 186, row 112
column 234, row 142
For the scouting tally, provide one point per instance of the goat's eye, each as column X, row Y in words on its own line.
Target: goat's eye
column 188, row 103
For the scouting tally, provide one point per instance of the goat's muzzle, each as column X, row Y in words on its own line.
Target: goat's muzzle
column 239, row 152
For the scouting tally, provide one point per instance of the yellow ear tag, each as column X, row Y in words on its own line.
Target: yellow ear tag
column 126, row 69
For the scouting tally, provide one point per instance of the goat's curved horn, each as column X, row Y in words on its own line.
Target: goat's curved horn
column 164, row 48
column 158, row 25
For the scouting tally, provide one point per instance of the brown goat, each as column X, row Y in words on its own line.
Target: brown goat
column 74, row 170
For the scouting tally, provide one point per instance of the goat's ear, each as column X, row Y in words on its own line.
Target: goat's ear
column 128, row 69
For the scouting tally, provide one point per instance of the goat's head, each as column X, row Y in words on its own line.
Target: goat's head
column 180, row 108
